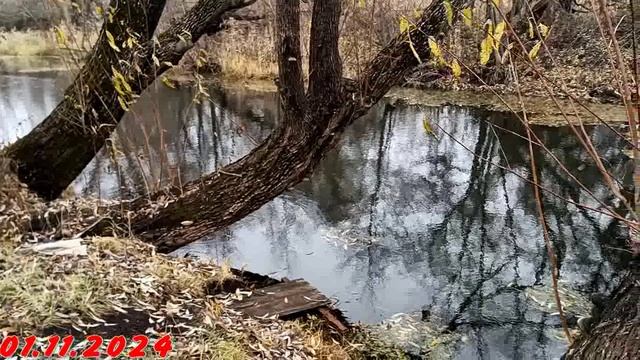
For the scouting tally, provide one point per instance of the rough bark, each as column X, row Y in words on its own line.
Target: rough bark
column 53, row 154
column 290, row 78
column 294, row 148
column 616, row 331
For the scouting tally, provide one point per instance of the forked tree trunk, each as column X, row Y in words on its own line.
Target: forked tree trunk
column 312, row 124
column 53, row 154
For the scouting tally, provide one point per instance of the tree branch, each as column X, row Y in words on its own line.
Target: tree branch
column 56, row 151
column 284, row 159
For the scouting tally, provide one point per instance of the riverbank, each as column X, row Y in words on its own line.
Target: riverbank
column 120, row 286
column 540, row 110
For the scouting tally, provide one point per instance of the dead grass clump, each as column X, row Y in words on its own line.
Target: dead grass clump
column 44, row 42
column 37, row 293
column 28, row 43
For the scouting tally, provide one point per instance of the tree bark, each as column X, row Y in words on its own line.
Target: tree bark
column 296, row 146
column 53, row 154
column 616, row 331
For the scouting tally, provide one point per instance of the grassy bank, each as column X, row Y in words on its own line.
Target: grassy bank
column 120, row 286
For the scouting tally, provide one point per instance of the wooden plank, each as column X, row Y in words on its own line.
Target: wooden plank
column 332, row 319
column 284, row 299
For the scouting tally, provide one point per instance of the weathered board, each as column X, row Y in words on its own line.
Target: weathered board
column 284, row 299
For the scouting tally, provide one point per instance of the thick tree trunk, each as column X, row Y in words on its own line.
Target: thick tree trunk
column 53, row 154
column 299, row 142
column 616, row 332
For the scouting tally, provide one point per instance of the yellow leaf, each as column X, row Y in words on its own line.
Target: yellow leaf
column 449, row 11
column 496, row 3
column 61, row 37
column 427, row 127
column 467, row 14
column 112, row 41
column 123, row 104
column 544, row 30
column 530, row 31
column 404, row 25
column 497, row 34
column 99, row 10
column 533, row 53
column 435, row 51
column 168, row 83
column 486, row 48
column 455, row 69
column 362, row 3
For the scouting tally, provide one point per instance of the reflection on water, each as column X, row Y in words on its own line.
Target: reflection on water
column 394, row 221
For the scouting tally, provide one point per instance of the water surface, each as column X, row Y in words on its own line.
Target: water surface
column 394, row 220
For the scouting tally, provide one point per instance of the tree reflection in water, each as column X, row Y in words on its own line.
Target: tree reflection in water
column 430, row 225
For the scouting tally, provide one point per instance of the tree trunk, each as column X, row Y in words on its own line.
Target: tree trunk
column 53, row 154
column 615, row 333
column 310, row 128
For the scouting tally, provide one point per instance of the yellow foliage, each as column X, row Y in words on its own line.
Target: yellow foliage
column 404, row 25
column 486, row 47
column 112, row 41
column 449, row 11
column 435, row 51
column 61, row 37
column 455, row 68
column 533, row 53
column 497, row 34
column 544, row 30
column 467, row 14
column 426, row 124
column 530, row 31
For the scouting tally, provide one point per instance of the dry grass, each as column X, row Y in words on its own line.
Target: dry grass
column 238, row 66
column 122, row 279
column 122, row 276
column 44, row 43
column 28, row 43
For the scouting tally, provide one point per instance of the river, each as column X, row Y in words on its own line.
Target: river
column 395, row 224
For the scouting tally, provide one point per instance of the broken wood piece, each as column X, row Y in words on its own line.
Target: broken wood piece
column 282, row 300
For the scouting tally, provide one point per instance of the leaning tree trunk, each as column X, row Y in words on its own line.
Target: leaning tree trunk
column 615, row 334
column 312, row 124
column 125, row 60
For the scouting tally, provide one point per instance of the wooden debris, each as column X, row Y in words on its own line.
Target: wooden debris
column 282, row 300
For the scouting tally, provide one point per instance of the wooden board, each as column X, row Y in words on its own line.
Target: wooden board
column 283, row 299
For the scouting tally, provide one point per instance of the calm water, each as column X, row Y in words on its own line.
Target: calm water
column 394, row 221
